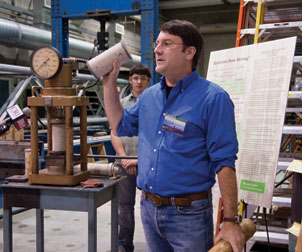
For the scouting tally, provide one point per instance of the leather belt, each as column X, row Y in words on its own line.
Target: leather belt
column 182, row 200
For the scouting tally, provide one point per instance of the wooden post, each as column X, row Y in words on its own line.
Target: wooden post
column 49, row 130
column 83, row 137
column 34, row 140
column 69, row 140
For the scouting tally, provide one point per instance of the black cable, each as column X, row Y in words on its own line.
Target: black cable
column 93, row 84
column 284, row 179
column 43, row 125
column 266, row 226
column 72, row 60
column 81, row 60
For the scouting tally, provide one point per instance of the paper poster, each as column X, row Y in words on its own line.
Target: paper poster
column 294, row 229
column 257, row 77
column 295, row 166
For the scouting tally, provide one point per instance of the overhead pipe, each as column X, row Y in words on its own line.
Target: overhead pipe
column 13, row 69
column 18, row 35
column 26, row 71
column 168, row 5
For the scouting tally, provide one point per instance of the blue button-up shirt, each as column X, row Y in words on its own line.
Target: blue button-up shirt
column 171, row 164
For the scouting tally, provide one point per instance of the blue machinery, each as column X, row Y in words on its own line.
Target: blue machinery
column 64, row 10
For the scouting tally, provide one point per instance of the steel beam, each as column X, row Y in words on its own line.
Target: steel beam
column 62, row 11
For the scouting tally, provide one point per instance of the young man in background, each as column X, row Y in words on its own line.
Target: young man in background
column 139, row 79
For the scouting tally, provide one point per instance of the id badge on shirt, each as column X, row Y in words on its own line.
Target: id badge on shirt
column 174, row 124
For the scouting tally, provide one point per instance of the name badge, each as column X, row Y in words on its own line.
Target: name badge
column 174, row 124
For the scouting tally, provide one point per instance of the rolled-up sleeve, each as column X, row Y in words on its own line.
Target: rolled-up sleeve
column 129, row 123
column 222, row 142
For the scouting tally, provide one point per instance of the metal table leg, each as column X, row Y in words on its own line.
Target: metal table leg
column 43, row 197
column 7, row 230
column 40, row 230
column 92, row 225
column 114, row 219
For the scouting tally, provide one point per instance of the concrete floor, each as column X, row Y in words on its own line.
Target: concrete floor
column 67, row 231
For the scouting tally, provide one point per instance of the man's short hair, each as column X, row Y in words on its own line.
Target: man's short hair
column 141, row 69
column 189, row 34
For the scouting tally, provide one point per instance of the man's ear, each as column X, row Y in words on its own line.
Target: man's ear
column 190, row 52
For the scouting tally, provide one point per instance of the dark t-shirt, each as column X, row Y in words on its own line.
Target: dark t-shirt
column 168, row 90
column 296, row 208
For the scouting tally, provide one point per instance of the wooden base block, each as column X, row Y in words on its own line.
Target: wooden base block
column 48, row 179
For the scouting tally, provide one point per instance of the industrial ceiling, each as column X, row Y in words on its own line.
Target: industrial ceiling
column 178, row 4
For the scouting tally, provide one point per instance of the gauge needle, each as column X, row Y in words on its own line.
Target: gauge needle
column 44, row 62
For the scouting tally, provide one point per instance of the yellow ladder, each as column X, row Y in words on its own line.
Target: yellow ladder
column 259, row 20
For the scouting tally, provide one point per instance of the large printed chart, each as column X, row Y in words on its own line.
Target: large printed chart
column 257, row 78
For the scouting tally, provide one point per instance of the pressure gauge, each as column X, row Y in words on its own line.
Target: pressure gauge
column 46, row 62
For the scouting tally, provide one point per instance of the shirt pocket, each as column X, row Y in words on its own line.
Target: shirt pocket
column 192, row 136
column 192, row 131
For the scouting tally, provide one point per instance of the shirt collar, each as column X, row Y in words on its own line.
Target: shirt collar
column 183, row 83
column 132, row 97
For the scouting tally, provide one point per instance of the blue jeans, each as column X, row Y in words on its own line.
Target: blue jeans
column 178, row 229
column 126, row 220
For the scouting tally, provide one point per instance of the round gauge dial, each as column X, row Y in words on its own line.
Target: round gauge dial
column 46, row 62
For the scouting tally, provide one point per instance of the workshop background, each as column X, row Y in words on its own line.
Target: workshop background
column 26, row 25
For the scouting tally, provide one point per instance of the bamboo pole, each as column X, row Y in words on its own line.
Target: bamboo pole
column 248, row 228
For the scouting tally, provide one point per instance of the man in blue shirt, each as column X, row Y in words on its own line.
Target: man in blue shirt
column 186, row 130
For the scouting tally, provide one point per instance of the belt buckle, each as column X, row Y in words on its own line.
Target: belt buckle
column 160, row 203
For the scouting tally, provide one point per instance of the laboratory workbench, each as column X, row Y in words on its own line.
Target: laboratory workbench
column 75, row 198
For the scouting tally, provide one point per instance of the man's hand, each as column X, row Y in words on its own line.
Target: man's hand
column 113, row 107
column 232, row 233
column 111, row 77
column 130, row 166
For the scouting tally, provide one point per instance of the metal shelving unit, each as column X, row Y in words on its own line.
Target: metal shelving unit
column 267, row 20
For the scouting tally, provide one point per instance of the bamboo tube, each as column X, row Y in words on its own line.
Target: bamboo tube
column 27, row 153
column 247, row 226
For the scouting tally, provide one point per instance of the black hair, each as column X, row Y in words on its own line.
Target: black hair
column 141, row 69
column 189, row 34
